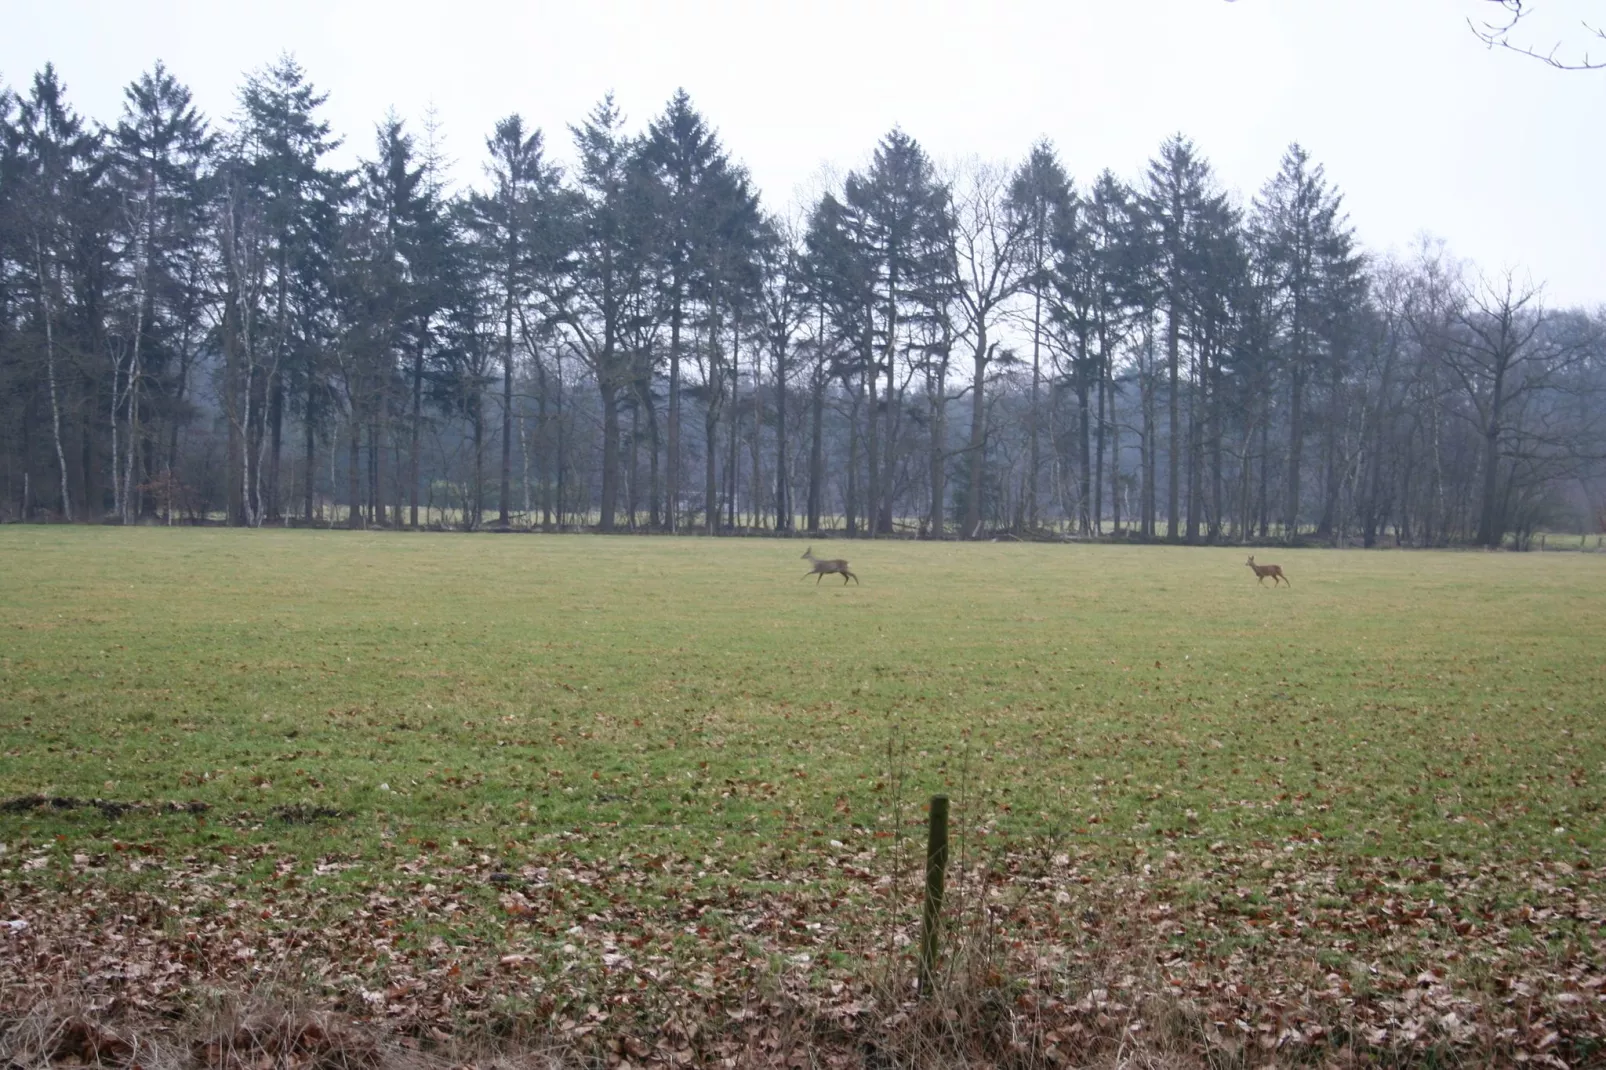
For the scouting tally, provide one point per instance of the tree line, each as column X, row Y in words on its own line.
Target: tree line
column 206, row 320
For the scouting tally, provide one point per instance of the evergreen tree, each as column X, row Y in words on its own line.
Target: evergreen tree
column 160, row 150
column 900, row 225
column 1179, row 193
column 1109, row 230
column 727, row 288
column 394, row 249
column 279, row 221
column 841, row 284
column 784, row 309
column 1308, row 250
column 610, row 273
column 685, row 158
column 521, row 229
column 1039, row 195
column 60, row 212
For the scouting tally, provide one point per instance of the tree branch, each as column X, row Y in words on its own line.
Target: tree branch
column 1497, row 34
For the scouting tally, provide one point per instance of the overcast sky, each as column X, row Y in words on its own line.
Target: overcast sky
column 1422, row 128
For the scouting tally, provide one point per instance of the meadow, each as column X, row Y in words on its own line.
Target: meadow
column 661, row 798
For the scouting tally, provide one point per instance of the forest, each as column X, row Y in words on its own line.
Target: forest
column 206, row 320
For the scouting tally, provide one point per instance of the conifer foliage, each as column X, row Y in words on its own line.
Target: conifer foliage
column 206, row 319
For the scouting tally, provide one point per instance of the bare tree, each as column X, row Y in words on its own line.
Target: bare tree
column 991, row 267
column 1496, row 32
column 1506, row 357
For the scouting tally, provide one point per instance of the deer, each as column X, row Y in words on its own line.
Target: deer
column 1262, row 571
column 823, row 567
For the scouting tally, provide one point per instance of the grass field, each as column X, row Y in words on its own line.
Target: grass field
column 573, row 785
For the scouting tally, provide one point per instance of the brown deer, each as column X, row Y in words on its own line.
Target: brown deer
column 1262, row 571
column 823, row 568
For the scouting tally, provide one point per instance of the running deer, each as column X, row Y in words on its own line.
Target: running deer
column 823, row 568
column 1262, row 571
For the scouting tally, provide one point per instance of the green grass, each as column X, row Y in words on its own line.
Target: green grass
column 687, row 748
column 1386, row 701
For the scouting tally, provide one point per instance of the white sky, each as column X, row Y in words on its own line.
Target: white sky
column 1421, row 127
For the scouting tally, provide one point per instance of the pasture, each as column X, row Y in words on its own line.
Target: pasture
column 580, row 787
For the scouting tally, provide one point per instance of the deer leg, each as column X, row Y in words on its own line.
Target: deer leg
column 855, row 580
column 817, row 581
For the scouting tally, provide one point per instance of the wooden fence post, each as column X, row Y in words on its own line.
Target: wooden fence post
column 936, row 878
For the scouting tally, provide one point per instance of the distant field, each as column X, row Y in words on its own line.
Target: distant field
column 1381, row 773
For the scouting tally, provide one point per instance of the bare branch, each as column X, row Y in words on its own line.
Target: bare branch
column 1497, row 34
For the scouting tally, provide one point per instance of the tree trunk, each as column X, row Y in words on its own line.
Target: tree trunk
column 560, row 447
column 309, row 427
column 125, row 493
column 816, row 455
column 1034, row 415
column 1115, row 449
column 1150, row 432
column 891, row 401
column 733, row 463
column 1263, row 504
column 543, row 429
column 1215, row 417
column 851, row 496
column 354, row 510
column 50, row 375
column 376, row 443
column 273, row 507
column 871, row 377
column 608, row 394
column 1084, row 435
column 672, row 502
column 477, row 510
column 89, row 473
column 1490, row 529
column 783, row 497
column 1100, row 428
column 655, row 518
column 1296, row 442
column 632, row 479
column 978, row 434
column 936, row 519
column 1330, row 502
column 27, row 455
column 1173, row 335
column 233, row 380
column 1195, row 448
column 413, row 435
column 505, row 487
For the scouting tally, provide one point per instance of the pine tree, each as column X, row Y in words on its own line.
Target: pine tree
column 1306, row 245
column 899, row 223
column 279, row 219
column 1179, row 193
column 16, row 415
column 1109, row 224
column 395, row 246
column 840, row 294
column 683, row 155
column 611, row 273
column 61, row 207
column 727, row 288
column 784, row 309
column 521, row 228
column 160, row 150
column 1039, row 194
